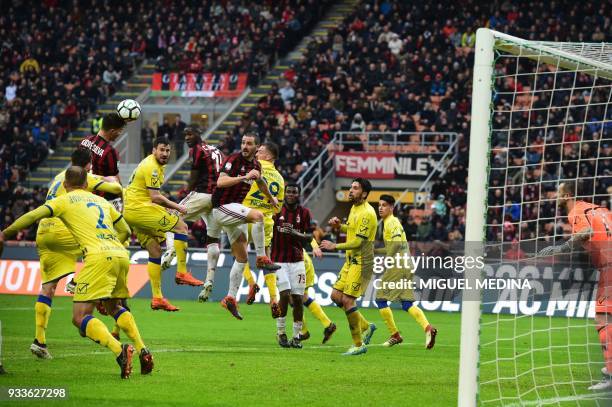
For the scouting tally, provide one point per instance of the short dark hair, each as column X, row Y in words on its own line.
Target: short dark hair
column 75, row 176
column 365, row 184
column 161, row 140
column 80, row 157
column 388, row 199
column 293, row 185
column 254, row 135
column 193, row 128
column 112, row 121
column 272, row 148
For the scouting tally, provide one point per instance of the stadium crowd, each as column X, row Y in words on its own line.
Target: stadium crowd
column 388, row 66
column 402, row 66
column 59, row 61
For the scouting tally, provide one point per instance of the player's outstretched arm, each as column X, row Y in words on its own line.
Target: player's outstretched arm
column 577, row 239
column 123, row 229
column 110, row 188
column 350, row 245
column 225, row 181
column 159, row 199
column 26, row 220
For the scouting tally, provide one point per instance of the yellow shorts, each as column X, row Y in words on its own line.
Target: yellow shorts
column 395, row 275
column 353, row 279
column 150, row 222
column 268, row 230
column 57, row 250
column 310, row 271
column 103, row 276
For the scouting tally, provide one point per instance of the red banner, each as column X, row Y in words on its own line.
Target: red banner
column 23, row 277
column 368, row 165
column 199, row 84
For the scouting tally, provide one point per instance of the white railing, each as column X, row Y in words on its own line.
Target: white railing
column 398, row 141
column 318, row 171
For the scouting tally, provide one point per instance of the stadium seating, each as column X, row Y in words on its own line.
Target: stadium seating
column 388, row 66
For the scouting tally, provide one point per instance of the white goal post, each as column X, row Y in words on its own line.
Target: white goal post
column 549, row 59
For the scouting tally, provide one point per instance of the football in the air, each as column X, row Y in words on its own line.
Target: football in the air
column 129, row 109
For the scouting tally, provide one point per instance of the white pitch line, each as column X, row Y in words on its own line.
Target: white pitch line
column 269, row 349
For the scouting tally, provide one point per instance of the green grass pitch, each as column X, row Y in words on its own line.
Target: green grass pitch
column 205, row 357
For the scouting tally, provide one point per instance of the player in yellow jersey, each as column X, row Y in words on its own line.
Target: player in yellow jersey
column 357, row 270
column 396, row 242
column 146, row 210
column 57, row 249
column 99, row 230
column 328, row 326
column 266, row 154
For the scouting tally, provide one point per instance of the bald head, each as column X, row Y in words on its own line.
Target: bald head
column 75, row 178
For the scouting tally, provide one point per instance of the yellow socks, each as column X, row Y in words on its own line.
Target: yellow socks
column 317, row 311
column 154, row 270
column 363, row 323
column 354, row 319
column 42, row 310
column 95, row 330
column 248, row 276
column 304, row 327
column 418, row 316
column 180, row 247
column 416, row 313
column 126, row 321
column 387, row 316
column 271, row 283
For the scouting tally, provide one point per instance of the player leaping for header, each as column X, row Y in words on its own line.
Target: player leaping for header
column 146, row 210
column 357, row 270
column 266, row 154
column 238, row 172
column 592, row 229
column 206, row 163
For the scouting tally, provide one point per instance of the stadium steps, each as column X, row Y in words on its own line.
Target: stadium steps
column 332, row 19
column 57, row 161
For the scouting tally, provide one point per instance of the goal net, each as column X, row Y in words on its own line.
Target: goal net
column 541, row 115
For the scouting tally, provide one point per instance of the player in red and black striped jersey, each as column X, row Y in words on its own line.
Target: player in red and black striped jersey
column 104, row 162
column 205, row 165
column 292, row 230
column 287, row 246
column 237, row 173
column 104, row 156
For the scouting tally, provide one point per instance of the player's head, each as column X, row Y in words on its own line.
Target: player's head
column 566, row 192
column 75, row 178
column 360, row 188
column 267, row 151
column 161, row 150
column 81, row 157
column 113, row 126
column 249, row 145
column 193, row 134
column 385, row 206
column 292, row 194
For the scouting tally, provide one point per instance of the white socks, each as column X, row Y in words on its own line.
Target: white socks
column 297, row 327
column 259, row 238
column 280, row 325
column 212, row 252
column 235, row 278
